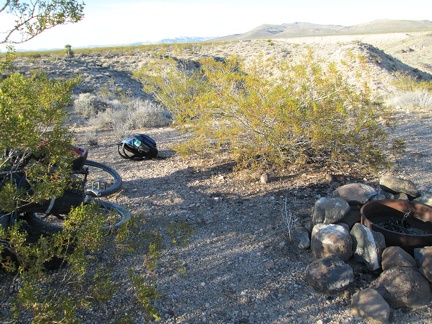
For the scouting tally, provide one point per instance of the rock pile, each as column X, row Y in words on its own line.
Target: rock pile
column 337, row 235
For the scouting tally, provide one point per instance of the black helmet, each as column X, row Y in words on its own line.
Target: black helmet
column 139, row 147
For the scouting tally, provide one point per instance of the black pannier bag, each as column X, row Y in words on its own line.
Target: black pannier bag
column 72, row 196
column 139, row 147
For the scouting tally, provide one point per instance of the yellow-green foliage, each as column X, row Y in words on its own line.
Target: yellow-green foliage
column 271, row 112
column 31, row 111
column 47, row 297
column 176, row 84
column 86, row 284
column 405, row 82
column 146, row 294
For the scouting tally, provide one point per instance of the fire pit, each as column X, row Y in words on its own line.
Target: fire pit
column 403, row 223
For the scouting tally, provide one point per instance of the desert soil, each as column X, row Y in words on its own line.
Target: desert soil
column 240, row 265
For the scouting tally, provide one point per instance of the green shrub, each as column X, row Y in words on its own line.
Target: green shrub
column 405, row 82
column 82, row 235
column 32, row 116
column 85, row 285
column 271, row 113
column 68, row 50
column 31, row 111
column 178, row 85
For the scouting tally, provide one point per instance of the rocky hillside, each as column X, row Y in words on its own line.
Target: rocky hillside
column 112, row 70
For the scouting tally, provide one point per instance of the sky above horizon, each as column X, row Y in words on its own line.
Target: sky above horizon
column 116, row 22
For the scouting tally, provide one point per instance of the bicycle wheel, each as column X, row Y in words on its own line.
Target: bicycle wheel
column 49, row 224
column 102, row 180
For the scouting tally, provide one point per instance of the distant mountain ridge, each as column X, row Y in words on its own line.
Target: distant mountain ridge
column 184, row 40
column 304, row 29
column 296, row 29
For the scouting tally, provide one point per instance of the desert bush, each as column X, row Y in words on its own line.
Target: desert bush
column 33, row 115
column 178, row 85
column 122, row 116
column 406, row 82
column 411, row 93
column 411, row 99
column 89, row 105
column 84, row 283
column 82, row 235
column 36, row 143
column 271, row 113
column 31, row 111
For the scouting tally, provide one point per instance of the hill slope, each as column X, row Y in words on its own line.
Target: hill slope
column 302, row 29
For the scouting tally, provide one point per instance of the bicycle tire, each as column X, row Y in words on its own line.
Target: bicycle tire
column 50, row 224
column 102, row 180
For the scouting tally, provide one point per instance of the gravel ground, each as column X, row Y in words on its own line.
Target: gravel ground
column 240, row 266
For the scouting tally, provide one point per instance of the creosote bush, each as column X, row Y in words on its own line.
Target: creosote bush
column 85, row 287
column 66, row 276
column 177, row 84
column 33, row 138
column 268, row 113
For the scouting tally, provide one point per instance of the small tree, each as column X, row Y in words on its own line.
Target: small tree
column 68, row 50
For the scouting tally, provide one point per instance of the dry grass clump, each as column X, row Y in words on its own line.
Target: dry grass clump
column 412, row 100
column 121, row 116
column 411, row 94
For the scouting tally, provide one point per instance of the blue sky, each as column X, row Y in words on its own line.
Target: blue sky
column 112, row 22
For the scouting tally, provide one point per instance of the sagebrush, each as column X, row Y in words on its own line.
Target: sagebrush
column 122, row 116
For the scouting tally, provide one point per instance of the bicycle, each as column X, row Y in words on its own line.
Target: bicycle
column 92, row 180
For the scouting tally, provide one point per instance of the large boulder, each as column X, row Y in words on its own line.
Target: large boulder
column 368, row 246
column 331, row 240
column 423, row 258
column 329, row 210
column 370, row 305
column 329, row 274
column 403, row 286
column 396, row 185
column 395, row 256
column 355, row 193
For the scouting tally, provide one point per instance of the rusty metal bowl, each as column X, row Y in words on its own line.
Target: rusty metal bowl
column 403, row 223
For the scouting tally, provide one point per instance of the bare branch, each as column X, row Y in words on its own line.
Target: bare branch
column 32, row 18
